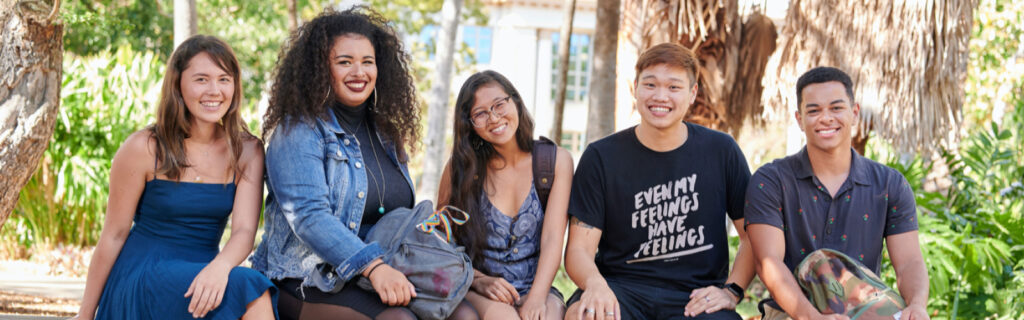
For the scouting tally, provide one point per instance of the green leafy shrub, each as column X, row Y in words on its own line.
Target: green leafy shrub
column 104, row 98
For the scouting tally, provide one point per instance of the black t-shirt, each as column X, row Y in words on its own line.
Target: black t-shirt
column 662, row 214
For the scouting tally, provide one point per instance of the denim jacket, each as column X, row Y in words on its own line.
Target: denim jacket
column 316, row 179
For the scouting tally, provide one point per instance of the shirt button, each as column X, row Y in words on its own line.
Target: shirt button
column 352, row 225
column 359, row 165
column 347, row 142
column 361, row 195
column 338, row 153
column 515, row 250
column 513, row 238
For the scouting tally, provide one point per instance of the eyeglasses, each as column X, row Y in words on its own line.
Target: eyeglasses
column 498, row 109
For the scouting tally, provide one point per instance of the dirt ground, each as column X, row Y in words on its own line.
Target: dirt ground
column 22, row 304
column 54, row 270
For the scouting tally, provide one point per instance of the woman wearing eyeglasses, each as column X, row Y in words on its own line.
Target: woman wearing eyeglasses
column 490, row 174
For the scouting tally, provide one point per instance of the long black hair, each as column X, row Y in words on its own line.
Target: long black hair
column 471, row 154
column 302, row 82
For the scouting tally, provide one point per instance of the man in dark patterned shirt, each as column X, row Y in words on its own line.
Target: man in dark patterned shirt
column 828, row 196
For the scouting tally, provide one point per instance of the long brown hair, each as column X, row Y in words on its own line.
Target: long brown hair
column 471, row 154
column 302, row 80
column 173, row 120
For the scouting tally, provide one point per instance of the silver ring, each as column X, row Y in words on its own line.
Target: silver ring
column 590, row 310
column 706, row 299
column 610, row 314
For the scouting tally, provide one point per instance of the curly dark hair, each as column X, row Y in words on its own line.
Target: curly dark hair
column 471, row 154
column 302, row 80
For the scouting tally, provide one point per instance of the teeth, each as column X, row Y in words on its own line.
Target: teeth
column 828, row 130
column 210, row 104
column 357, row 85
column 660, row 109
column 502, row 127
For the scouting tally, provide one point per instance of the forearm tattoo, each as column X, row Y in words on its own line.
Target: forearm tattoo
column 577, row 222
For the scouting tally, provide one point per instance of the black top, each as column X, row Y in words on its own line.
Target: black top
column 875, row 201
column 383, row 176
column 662, row 214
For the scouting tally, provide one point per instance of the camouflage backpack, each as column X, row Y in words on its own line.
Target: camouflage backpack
column 835, row 283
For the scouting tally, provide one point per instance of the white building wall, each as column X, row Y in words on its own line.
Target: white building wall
column 514, row 55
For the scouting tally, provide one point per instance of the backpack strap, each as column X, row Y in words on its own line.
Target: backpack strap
column 544, row 153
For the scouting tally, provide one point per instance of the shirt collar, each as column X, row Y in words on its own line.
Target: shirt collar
column 331, row 123
column 858, row 169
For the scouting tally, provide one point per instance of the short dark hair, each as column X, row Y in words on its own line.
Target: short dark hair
column 669, row 53
column 822, row 75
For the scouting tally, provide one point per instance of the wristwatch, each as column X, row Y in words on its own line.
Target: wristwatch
column 735, row 289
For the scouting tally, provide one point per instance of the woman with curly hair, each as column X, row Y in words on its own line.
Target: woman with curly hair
column 173, row 186
column 342, row 115
column 514, row 238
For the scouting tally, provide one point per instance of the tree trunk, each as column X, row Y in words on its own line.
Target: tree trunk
column 184, row 20
column 437, row 112
column 907, row 60
column 601, row 112
column 31, row 53
column 293, row 16
column 563, row 69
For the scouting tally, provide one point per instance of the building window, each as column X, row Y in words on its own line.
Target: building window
column 578, row 77
column 478, row 40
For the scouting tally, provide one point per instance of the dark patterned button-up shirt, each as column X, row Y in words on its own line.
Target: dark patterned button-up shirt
column 874, row 202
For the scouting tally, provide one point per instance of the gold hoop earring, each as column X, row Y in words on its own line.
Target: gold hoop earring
column 375, row 95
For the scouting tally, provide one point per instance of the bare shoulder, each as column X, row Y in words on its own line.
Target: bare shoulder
column 252, row 149
column 137, row 153
column 138, row 146
column 563, row 160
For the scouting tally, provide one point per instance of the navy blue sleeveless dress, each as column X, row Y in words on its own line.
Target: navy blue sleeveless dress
column 177, row 232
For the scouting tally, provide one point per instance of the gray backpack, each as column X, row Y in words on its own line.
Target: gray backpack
column 417, row 242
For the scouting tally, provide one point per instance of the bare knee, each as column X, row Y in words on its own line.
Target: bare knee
column 261, row 308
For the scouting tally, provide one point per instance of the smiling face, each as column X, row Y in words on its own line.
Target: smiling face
column 664, row 94
column 827, row 116
column 353, row 69
column 496, row 130
column 207, row 89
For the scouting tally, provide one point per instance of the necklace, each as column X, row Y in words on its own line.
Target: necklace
column 206, row 154
column 376, row 183
column 383, row 181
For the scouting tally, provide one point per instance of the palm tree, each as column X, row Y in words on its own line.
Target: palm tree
column 601, row 110
column 908, row 61
column 30, row 55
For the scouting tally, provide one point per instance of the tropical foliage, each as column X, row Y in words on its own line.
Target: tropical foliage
column 970, row 233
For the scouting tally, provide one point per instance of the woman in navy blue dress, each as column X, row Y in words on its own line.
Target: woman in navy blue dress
column 179, row 180
column 515, row 241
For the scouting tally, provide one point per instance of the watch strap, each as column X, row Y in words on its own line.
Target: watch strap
column 735, row 289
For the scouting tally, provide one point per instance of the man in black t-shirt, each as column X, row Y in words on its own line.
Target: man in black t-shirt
column 648, row 236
